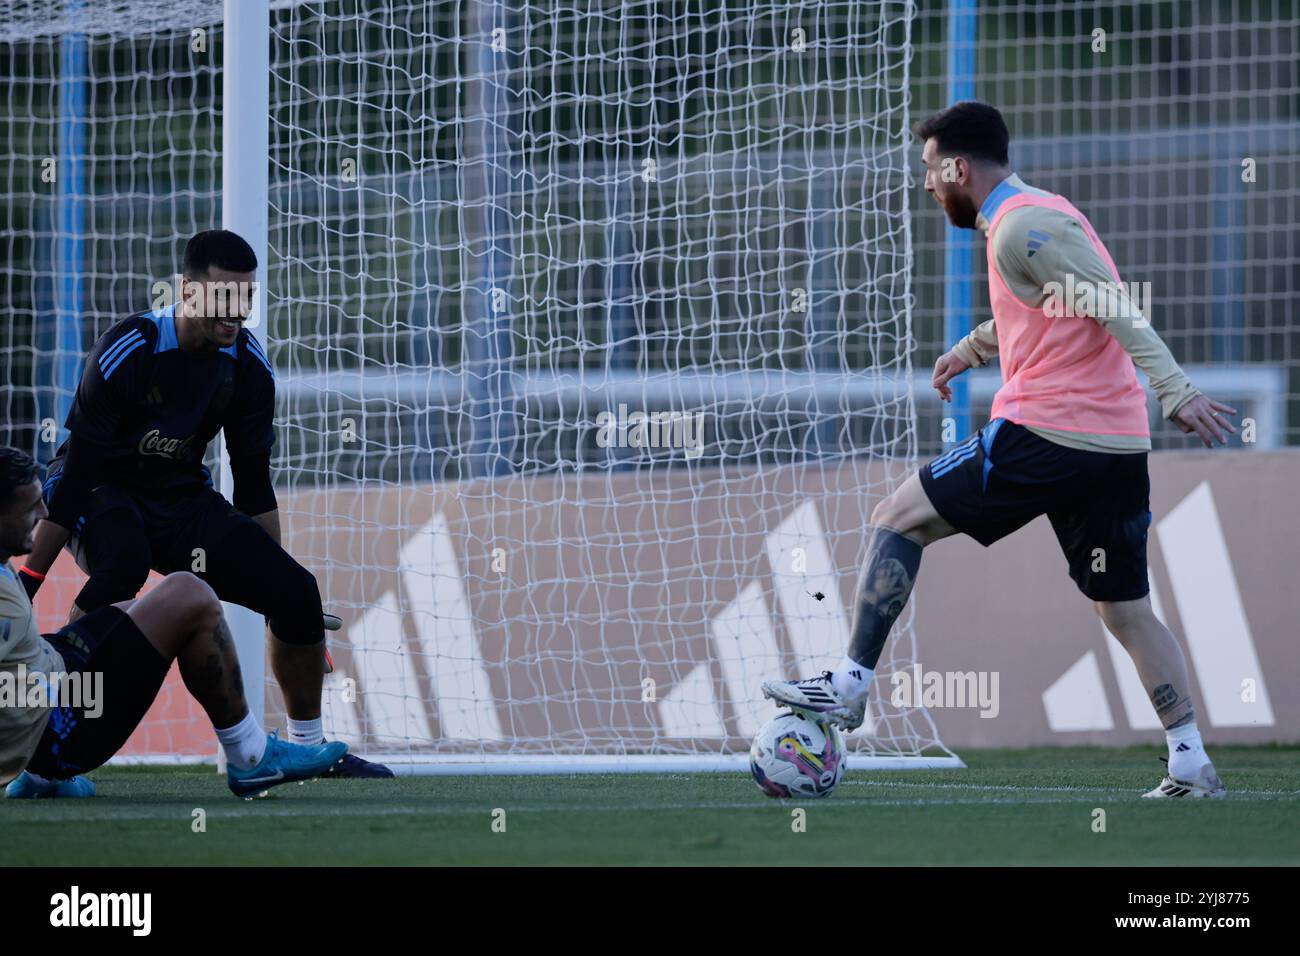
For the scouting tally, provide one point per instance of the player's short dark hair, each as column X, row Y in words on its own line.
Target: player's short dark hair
column 17, row 468
column 221, row 248
column 969, row 128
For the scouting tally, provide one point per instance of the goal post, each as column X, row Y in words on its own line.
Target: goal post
column 592, row 332
column 245, row 118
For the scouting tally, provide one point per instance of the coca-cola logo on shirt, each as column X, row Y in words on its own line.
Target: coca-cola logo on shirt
column 153, row 443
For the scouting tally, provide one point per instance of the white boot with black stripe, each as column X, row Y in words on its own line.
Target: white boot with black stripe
column 1205, row 784
column 817, row 697
column 1190, row 773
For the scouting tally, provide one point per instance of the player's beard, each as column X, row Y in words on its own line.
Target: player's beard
column 961, row 212
column 220, row 334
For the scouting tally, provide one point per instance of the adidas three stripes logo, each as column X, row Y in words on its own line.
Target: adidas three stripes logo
column 116, row 354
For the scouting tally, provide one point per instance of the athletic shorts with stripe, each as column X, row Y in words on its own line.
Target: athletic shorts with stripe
column 1000, row 479
column 104, row 646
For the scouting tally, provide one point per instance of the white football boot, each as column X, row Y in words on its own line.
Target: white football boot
column 818, row 698
column 1206, row 784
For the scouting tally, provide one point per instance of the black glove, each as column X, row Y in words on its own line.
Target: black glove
column 31, row 582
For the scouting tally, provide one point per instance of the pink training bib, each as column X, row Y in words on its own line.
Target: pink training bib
column 1063, row 372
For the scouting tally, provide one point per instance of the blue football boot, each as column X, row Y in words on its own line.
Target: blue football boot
column 283, row 762
column 353, row 767
column 26, row 787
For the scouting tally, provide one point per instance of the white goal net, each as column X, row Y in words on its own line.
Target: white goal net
column 591, row 325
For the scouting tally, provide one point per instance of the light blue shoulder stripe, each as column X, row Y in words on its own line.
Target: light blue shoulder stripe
column 121, row 357
column 165, row 319
column 112, row 351
column 255, row 347
column 1001, row 193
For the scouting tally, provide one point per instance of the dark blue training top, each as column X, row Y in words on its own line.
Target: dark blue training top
column 153, row 408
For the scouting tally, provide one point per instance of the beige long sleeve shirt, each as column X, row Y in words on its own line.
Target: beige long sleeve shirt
column 1059, row 253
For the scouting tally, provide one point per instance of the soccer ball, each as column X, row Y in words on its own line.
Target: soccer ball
column 797, row 756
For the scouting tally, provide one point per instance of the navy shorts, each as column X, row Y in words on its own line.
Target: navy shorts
column 125, row 532
column 1000, row 479
column 114, row 656
column 166, row 524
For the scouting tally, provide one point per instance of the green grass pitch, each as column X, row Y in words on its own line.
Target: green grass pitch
column 1006, row 808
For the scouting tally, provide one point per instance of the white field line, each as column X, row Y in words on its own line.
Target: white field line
column 300, row 811
column 303, row 810
column 1016, row 788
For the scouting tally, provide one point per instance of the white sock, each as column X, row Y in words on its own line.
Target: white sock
column 1186, row 752
column 43, row 781
column 244, row 743
column 852, row 680
column 306, row 732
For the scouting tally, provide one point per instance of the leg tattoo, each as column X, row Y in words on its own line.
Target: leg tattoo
column 886, row 583
column 211, row 673
column 1173, row 709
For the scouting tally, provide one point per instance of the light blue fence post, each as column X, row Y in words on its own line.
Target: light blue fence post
column 59, row 343
column 489, row 311
column 1229, row 274
column 963, row 21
